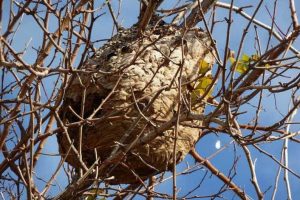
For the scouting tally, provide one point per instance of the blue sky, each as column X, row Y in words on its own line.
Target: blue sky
column 29, row 34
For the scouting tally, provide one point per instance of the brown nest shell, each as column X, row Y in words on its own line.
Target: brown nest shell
column 130, row 87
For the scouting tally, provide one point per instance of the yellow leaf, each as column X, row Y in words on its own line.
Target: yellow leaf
column 241, row 67
column 242, row 64
column 90, row 197
column 93, row 193
column 201, row 87
column 230, row 54
column 245, row 58
column 255, row 57
column 232, row 60
column 203, row 66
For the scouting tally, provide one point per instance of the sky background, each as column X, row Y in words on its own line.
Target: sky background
column 29, row 36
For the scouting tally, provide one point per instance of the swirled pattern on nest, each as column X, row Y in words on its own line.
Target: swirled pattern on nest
column 133, row 74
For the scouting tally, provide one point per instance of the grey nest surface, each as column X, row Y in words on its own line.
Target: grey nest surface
column 129, row 91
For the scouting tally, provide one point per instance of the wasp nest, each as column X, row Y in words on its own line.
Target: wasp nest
column 131, row 90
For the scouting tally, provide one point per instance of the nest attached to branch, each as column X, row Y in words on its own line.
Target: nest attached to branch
column 132, row 91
